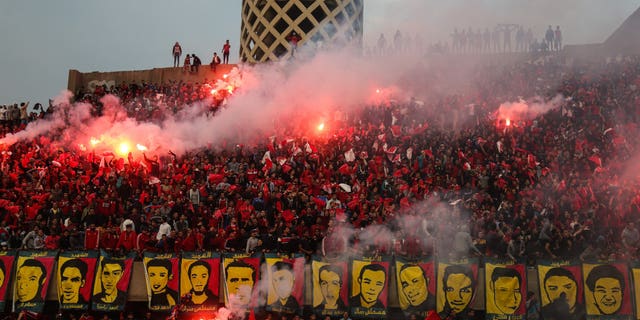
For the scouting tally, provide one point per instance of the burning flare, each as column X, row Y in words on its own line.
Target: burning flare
column 123, row 148
column 94, row 141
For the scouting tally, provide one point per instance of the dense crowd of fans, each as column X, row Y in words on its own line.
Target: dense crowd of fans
column 555, row 186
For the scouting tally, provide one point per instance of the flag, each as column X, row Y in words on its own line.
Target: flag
column 345, row 169
column 267, row 155
column 396, row 131
column 267, row 165
column 596, row 160
column 350, row 156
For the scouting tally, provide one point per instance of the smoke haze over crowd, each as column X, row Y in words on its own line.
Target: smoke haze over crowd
column 69, row 35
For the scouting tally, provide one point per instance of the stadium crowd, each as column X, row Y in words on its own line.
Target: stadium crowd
column 555, row 186
column 555, row 182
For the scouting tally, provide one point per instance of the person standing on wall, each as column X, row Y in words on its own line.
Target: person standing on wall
column 226, row 48
column 177, row 52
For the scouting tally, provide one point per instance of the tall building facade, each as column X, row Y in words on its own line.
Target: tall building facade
column 269, row 25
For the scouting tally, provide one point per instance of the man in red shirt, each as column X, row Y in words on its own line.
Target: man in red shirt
column 226, row 48
column 144, row 241
column 127, row 239
column 109, row 238
column 91, row 238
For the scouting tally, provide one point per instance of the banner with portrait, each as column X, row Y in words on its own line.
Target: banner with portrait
column 416, row 286
column 241, row 274
column 34, row 271
column 505, row 288
column 7, row 260
column 75, row 275
column 456, row 286
column 111, row 284
column 199, row 281
column 330, row 287
column 369, row 287
column 161, row 272
column 607, row 291
column 561, row 290
column 285, row 281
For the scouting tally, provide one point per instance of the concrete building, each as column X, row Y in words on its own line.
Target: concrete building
column 267, row 25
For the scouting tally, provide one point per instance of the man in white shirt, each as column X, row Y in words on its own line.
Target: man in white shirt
column 164, row 229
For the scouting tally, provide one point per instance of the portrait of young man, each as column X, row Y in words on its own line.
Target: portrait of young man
column 606, row 285
column 458, row 284
column 330, row 281
column 561, row 290
column 414, row 285
column 371, row 281
column 30, row 277
column 160, row 271
column 240, row 278
column 199, row 273
column 282, row 279
column 505, row 286
column 73, row 277
column 111, row 272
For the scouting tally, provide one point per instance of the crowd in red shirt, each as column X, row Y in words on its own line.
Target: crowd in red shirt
column 556, row 185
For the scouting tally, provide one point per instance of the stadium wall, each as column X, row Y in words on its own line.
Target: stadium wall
column 89, row 80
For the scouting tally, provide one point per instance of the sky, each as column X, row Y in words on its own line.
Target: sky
column 42, row 40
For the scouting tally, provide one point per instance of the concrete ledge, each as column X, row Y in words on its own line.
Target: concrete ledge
column 86, row 80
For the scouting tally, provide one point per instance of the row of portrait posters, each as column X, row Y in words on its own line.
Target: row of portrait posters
column 199, row 281
column 84, row 278
column 571, row 290
column 365, row 295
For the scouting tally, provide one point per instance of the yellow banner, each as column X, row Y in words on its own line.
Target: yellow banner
column 329, row 287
